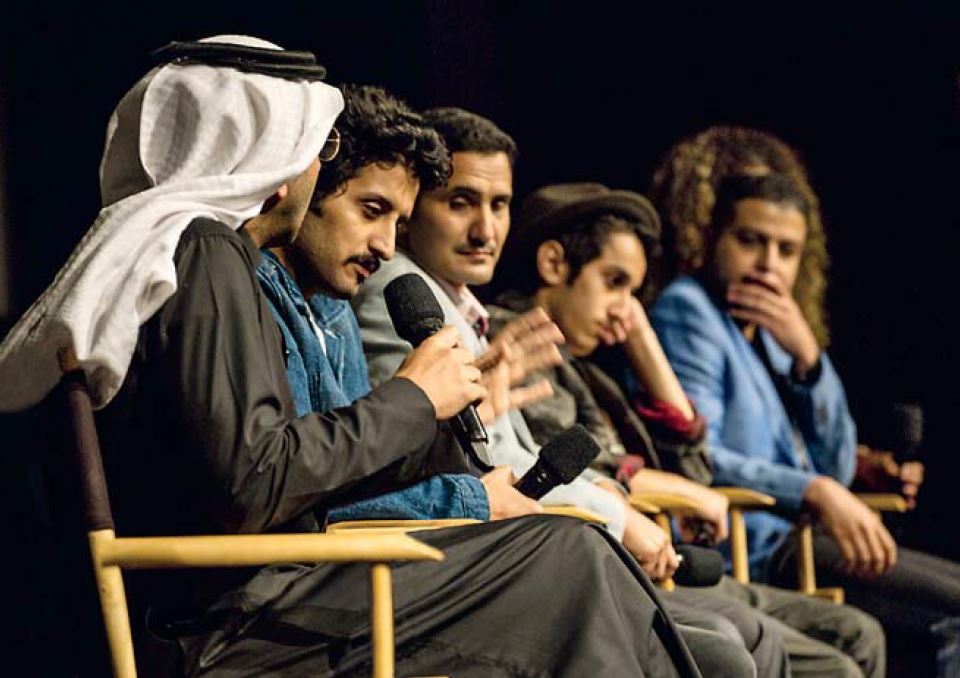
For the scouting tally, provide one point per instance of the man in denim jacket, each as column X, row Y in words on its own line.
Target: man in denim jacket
column 334, row 375
column 387, row 155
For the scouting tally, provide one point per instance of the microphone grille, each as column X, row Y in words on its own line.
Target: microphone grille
column 700, row 567
column 414, row 310
column 907, row 425
column 570, row 452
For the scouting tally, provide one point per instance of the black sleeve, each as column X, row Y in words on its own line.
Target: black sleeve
column 218, row 355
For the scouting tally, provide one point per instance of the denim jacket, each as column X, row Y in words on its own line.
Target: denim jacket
column 323, row 380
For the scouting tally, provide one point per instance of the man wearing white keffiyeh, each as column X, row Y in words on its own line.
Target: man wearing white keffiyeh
column 185, row 141
column 204, row 164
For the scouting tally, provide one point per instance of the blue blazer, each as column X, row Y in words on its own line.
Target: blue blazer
column 749, row 434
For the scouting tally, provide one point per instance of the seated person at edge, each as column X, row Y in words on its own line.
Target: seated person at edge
column 200, row 433
column 776, row 411
column 581, row 252
column 362, row 196
column 460, row 229
column 685, row 185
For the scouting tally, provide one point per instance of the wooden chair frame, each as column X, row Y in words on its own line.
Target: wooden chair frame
column 742, row 500
column 661, row 505
column 111, row 554
column 388, row 526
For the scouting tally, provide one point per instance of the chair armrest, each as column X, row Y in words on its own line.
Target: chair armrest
column 644, row 505
column 397, row 526
column 883, row 501
column 665, row 501
column 744, row 498
column 576, row 512
column 403, row 526
column 133, row 553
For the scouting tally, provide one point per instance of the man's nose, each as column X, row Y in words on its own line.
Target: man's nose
column 618, row 310
column 383, row 242
column 768, row 258
column 482, row 230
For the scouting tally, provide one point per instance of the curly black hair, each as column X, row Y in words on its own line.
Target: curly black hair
column 465, row 131
column 377, row 127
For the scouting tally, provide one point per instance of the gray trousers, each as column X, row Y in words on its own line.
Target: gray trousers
column 757, row 635
column 821, row 638
column 531, row 597
column 920, row 591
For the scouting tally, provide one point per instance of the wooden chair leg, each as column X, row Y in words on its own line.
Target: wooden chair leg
column 113, row 604
column 739, row 556
column 381, row 613
column 807, row 568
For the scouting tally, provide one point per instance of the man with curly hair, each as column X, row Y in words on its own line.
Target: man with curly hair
column 742, row 335
column 387, row 154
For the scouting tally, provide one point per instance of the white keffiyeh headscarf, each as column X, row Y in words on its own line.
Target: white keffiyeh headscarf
column 186, row 141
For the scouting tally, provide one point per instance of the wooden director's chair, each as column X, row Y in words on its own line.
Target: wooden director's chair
column 384, row 526
column 742, row 500
column 806, row 565
column 111, row 554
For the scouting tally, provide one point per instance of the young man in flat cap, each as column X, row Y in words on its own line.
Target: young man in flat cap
column 581, row 252
column 163, row 310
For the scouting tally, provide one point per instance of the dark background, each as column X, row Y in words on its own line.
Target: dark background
column 591, row 91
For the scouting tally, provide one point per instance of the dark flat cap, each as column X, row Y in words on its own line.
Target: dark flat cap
column 549, row 211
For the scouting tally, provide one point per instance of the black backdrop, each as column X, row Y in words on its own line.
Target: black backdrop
column 590, row 90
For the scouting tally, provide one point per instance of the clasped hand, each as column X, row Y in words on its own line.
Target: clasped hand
column 878, row 471
column 867, row 547
column 762, row 299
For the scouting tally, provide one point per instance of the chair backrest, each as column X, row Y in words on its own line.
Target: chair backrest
column 84, row 447
column 109, row 554
column 85, row 451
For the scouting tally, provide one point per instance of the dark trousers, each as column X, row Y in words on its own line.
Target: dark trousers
column 918, row 592
column 822, row 639
column 534, row 596
column 758, row 637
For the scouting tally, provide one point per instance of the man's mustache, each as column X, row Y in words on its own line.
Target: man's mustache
column 369, row 262
column 487, row 248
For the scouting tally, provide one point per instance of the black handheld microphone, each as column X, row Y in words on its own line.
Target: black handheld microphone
column 560, row 461
column 416, row 316
column 906, row 431
column 698, row 566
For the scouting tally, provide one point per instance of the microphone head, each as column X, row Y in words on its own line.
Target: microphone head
column 906, row 425
column 414, row 310
column 570, row 453
column 699, row 566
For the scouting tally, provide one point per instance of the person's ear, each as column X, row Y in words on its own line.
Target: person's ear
column 552, row 263
column 274, row 199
